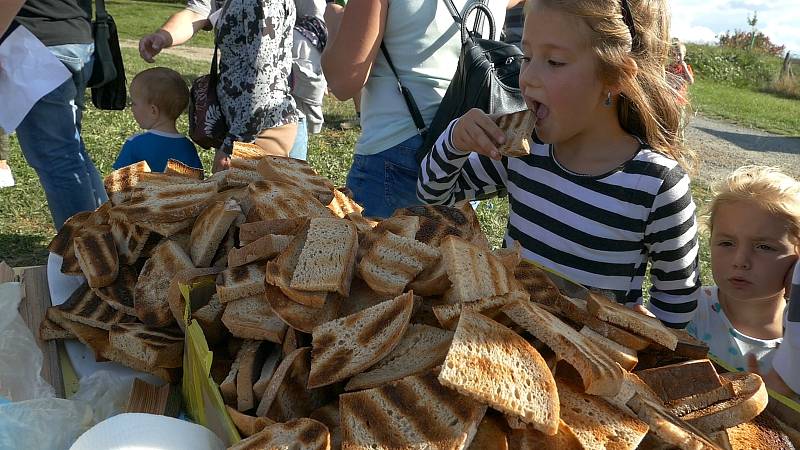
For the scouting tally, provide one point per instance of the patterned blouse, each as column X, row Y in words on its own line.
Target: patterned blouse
column 255, row 43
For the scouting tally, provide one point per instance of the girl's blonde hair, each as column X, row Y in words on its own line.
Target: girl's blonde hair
column 767, row 187
column 649, row 106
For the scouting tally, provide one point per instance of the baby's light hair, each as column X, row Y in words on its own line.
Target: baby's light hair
column 769, row 188
column 649, row 106
column 164, row 88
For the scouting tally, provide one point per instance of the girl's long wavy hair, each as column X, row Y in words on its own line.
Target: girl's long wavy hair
column 648, row 106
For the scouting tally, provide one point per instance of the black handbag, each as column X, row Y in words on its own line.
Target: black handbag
column 207, row 125
column 108, row 80
column 487, row 77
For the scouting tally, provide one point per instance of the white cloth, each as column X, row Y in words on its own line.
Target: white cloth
column 711, row 325
column 424, row 44
column 28, row 71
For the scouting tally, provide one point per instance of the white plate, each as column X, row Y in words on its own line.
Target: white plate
column 82, row 357
column 147, row 432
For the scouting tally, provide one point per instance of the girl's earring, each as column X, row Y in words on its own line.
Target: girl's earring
column 607, row 103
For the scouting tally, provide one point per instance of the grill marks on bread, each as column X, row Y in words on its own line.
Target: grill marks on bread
column 119, row 294
column 151, row 291
column 410, row 413
column 97, row 255
column 346, row 346
column 474, row 272
column 119, row 184
column 84, row 306
column 393, row 261
column 276, row 200
column 302, row 434
column 518, row 127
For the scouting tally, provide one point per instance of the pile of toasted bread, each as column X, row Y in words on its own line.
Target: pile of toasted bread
column 332, row 330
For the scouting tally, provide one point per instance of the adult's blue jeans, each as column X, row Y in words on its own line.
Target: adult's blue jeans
column 387, row 180
column 50, row 138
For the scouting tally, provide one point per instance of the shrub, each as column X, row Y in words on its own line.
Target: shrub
column 788, row 87
column 733, row 66
column 742, row 40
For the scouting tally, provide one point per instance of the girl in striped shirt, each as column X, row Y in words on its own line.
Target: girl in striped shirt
column 606, row 193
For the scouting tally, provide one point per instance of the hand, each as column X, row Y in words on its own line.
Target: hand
column 771, row 379
column 642, row 310
column 476, row 131
column 222, row 161
column 152, row 44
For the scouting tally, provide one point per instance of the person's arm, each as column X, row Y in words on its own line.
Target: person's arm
column 8, row 12
column 179, row 28
column 786, row 361
column 672, row 244
column 448, row 175
column 354, row 39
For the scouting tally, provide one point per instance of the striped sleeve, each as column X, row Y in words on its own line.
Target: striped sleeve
column 672, row 243
column 448, row 175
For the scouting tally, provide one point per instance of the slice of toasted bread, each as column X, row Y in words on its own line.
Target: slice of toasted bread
column 169, row 202
column 492, row 434
column 750, row 399
column 209, row 229
column 302, row 434
column 263, row 248
column 448, row 314
column 119, row 184
column 680, row 380
column 151, row 291
column 162, row 347
column 328, row 258
column 228, row 386
column 624, row 356
column 496, row 366
column 274, row 356
column 297, row 315
column 61, row 245
column 342, row 205
column 474, row 272
column 248, row 425
column 596, row 423
column 247, row 150
column 276, row 200
column 414, row 412
column 431, row 281
column 286, row 396
column 177, row 304
column 175, row 167
column 393, row 261
column 130, row 239
column 119, row 294
column 577, row 311
column 252, row 358
column 439, row 221
column 362, row 223
column 253, row 318
column 422, row 348
column 518, row 127
column 405, row 226
column 617, row 314
column 84, row 306
column 280, row 271
column 529, row 438
column 97, row 255
column 328, row 415
column 295, row 172
column 156, row 180
column 234, row 178
column 165, row 229
column 667, row 427
column 762, row 433
column 97, row 340
column 49, row 330
column 601, row 375
column 537, row 283
column 210, row 319
column 346, row 346
column 250, row 232
column 240, row 282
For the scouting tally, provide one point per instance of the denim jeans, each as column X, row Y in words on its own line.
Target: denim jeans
column 387, row 180
column 300, row 146
column 50, row 138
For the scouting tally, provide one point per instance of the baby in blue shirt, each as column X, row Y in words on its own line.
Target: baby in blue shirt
column 158, row 97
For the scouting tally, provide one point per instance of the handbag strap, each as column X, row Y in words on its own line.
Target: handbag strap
column 422, row 129
column 478, row 28
column 100, row 13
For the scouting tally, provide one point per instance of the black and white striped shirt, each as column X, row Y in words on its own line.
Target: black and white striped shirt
column 599, row 231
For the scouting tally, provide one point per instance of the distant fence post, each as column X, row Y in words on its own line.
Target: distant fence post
column 786, row 70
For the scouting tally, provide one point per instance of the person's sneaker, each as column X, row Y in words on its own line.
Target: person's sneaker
column 6, row 177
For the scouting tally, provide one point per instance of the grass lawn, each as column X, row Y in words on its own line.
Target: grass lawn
column 747, row 107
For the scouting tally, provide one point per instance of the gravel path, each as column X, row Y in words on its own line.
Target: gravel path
column 721, row 146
